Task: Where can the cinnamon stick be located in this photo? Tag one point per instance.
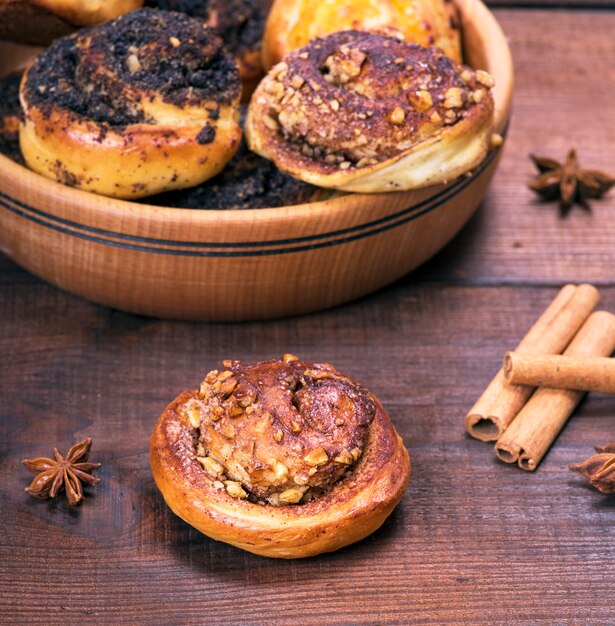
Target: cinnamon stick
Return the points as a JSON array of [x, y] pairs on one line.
[[533, 431], [561, 372], [553, 330]]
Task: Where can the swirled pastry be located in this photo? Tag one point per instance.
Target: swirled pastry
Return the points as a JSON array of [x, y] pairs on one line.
[[281, 458], [143, 104], [294, 23], [367, 112], [39, 22], [239, 23]]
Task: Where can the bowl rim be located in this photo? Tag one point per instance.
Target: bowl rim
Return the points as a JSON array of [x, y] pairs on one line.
[[470, 11]]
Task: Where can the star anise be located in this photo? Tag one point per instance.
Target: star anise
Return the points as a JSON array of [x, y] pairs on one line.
[[599, 469], [568, 182], [63, 473]]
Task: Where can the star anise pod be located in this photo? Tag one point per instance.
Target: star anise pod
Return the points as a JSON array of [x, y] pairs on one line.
[[63, 473], [568, 182], [599, 469]]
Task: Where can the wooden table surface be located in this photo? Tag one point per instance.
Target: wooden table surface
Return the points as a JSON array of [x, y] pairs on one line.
[[473, 540]]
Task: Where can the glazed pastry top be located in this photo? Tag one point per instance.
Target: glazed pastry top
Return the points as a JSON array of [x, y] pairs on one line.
[[294, 23], [280, 431]]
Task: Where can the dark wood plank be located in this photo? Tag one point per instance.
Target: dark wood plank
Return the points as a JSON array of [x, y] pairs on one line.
[[472, 540], [563, 98]]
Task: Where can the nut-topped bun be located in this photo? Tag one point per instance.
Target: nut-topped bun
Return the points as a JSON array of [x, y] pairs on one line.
[[281, 458], [367, 112], [39, 22], [143, 104], [294, 23], [239, 23]]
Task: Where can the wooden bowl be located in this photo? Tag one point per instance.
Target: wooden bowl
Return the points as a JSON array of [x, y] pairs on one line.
[[242, 264]]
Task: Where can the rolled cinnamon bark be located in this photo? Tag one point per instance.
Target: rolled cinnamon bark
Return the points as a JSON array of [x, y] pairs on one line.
[[561, 372], [537, 425], [500, 402]]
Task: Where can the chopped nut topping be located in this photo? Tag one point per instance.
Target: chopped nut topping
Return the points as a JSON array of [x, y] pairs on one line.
[[280, 470], [466, 76], [194, 415], [278, 435], [228, 431], [339, 422], [295, 427], [344, 457], [421, 100], [312, 471], [292, 495], [477, 96], [235, 489], [235, 411], [215, 413], [398, 116], [319, 374], [211, 466], [435, 118], [356, 453], [335, 105], [316, 457], [290, 358], [297, 82], [345, 64], [484, 78], [453, 98], [175, 42], [345, 165], [278, 70], [270, 123]]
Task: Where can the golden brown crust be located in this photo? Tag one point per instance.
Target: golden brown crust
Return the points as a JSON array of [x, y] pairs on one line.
[[39, 22], [366, 112], [352, 508], [140, 105], [294, 23]]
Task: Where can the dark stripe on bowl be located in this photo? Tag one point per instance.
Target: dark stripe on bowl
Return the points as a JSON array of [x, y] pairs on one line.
[[245, 248]]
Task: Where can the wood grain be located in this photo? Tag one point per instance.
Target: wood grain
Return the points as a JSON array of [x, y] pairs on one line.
[[473, 541], [565, 84]]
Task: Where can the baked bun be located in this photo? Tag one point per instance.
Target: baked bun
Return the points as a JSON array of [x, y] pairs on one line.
[[247, 182], [239, 23], [366, 112], [294, 23], [143, 104], [39, 22], [281, 458]]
